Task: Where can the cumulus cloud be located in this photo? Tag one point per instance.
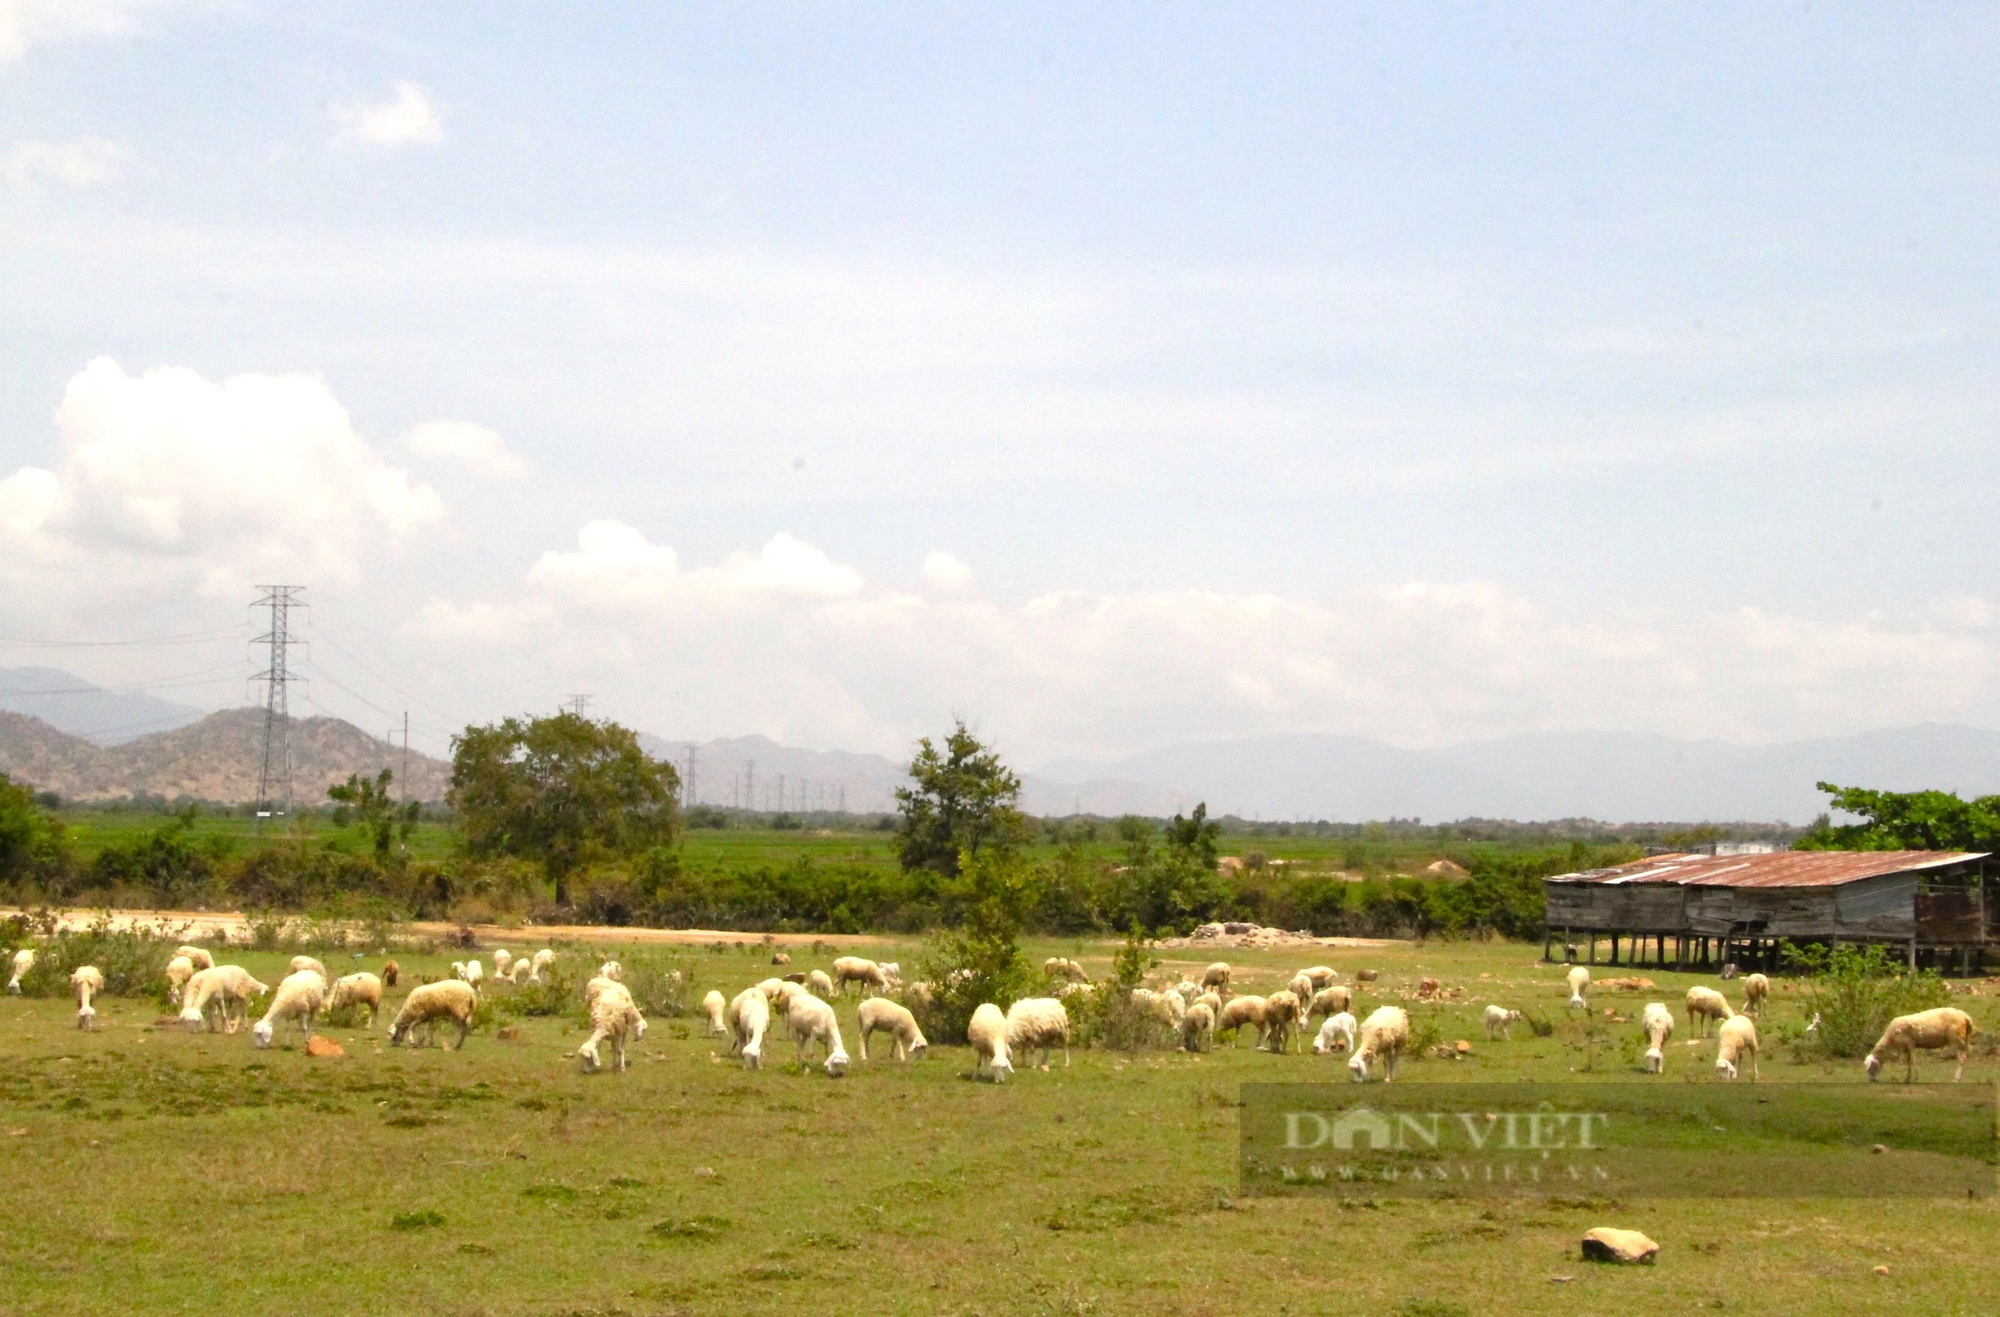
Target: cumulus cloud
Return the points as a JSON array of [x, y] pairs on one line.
[[474, 447], [941, 571], [25, 23], [169, 478], [406, 117], [613, 563], [85, 162]]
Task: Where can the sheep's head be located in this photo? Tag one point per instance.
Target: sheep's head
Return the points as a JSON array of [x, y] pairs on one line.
[[753, 1055], [1873, 1064], [1656, 1061], [191, 1019], [1002, 1068], [86, 1017], [836, 1065], [1357, 1065], [638, 1026], [397, 1032], [919, 1048], [260, 1035], [588, 1055], [1725, 1067], [1577, 1003]]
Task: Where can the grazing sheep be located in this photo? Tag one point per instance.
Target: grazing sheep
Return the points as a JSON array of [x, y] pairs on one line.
[[523, 968], [1335, 1035], [502, 959], [1198, 1028], [390, 972], [1165, 1008], [1216, 976], [1383, 1034], [468, 972], [813, 1021], [892, 970], [715, 1008], [1282, 1012], [543, 959], [301, 996], [781, 958], [362, 989], [224, 990], [179, 970], [1658, 1025], [1187, 990], [1331, 1001], [1737, 1035], [1579, 987], [307, 962], [1056, 967], [1755, 989], [1038, 1022], [881, 1014], [87, 981], [1704, 1005], [612, 970], [1932, 1030], [749, 1019], [779, 992], [23, 962], [1500, 1022], [597, 987], [613, 1015], [853, 969], [819, 983], [1322, 976], [449, 999], [1301, 986], [1212, 1001], [200, 956], [988, 1035], [1239, 1011]]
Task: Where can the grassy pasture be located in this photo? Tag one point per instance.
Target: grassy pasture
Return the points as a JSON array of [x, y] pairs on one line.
[[151, 1171]]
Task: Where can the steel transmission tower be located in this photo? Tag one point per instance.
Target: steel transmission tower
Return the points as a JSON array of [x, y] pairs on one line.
[[274, 777]]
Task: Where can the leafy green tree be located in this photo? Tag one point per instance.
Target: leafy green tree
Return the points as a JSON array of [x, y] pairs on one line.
[[1906, 820], [32, 841], [962, 801], [368, 804], [563, 790]]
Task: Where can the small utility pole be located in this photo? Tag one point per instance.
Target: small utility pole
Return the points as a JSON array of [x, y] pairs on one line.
[[689, 797], [406, 756]]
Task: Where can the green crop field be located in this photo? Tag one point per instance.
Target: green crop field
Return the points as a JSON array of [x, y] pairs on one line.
[[153, 1171]]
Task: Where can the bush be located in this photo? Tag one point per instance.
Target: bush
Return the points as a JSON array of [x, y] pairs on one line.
[[134, 962], [1856, 991]]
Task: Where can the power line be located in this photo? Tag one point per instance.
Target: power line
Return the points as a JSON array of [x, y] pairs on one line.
[[321, 632], [277, 678], [198, 678], [192, 637]]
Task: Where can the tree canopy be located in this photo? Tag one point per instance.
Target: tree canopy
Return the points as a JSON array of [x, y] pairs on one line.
[[563, 790], [31, 839], [1906, 821], [368, 804], [961, 800]]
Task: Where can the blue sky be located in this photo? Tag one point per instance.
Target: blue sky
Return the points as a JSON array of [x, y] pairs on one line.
[[1428, 373]]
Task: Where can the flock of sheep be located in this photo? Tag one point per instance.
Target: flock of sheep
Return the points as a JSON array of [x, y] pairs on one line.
[[211, 996]]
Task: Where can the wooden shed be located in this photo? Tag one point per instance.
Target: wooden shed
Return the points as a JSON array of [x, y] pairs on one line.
[[1697, 910]]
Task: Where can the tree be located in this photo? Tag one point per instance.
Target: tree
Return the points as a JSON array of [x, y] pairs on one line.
[[961, 801], [32, 841], [562, 790], [368, 804], [1906, 820]]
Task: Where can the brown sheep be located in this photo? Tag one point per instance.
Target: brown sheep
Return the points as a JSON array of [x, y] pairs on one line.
[[389, 971], [1932, 1030], [1241, 1011]]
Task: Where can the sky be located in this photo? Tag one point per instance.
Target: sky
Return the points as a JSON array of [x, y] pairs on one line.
[[1108, 376]]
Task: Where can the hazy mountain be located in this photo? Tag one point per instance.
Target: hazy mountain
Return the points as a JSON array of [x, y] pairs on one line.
[[71, 704], [1614, 776], [215, 759]]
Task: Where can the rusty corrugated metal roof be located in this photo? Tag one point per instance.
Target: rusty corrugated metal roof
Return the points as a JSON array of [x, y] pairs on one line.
[[1778, 869]]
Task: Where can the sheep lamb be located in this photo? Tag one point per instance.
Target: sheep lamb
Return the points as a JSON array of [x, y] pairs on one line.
[[854, 969], [1705, 1005], [1057, 967], [301, 996], [87, 981], [24, 960], [502, 961], [1283, 1011], [1737, 1035], [819, 983], [199, 955], [542, 960], [1335, 1035], [881, 1014], [749, 1020], [1216, 976], [1383, 1034], [1038, 1022], [1238, 1012], [1755, 989], [451, 1000], [1945, 1027], [715, 1008], [988, 1035], [179, 970], [307, 962], [1198, 1028], [813, 1022], [1657, 1023], [1579, 987], [222, 992], [362, 989], [1500, 1022], [613, 1016]]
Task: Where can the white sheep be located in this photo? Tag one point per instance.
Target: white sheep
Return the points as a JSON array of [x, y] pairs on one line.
[[1301, 986], [1737, 1035], [1704, 1005], [1187, 990], [612, 970], [179, 970], [307, 962], [987, 1033], [1238, 1012], [502, 963], [301, 996], [1038, 1022], [1198, 1028], [779, 992], [1058, 967], [24, 960], [1216, 976], [1322, 976], [226, 991], [615, 1016], [1657, 1022], [813, 1021], [362, 989], [1932, 1030], [1336, 1034], [468, 972], [1282, 1012], [451, 999], [87, 981], [854, 969], [749, 1019], [715, 1008], [522, 971], [596, 988], [1579, 987], [1500, 1022], [1755, 989], [543, 959], [881, 1014], [892, 970], [1213, 1002], [1383, 1034], [199, 955], [819, 983]]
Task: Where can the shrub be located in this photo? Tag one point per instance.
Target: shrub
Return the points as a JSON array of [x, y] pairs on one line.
[[134, 962], [1856, 991]]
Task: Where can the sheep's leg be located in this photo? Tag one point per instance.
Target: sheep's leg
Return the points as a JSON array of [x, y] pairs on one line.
[[464, 1028], [1959, 1073]]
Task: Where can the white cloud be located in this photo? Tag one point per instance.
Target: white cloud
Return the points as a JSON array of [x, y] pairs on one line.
[[85, 162], [169, 480], [941, 571], [474, 447], [407, 116], [614, 565], [25, 23]]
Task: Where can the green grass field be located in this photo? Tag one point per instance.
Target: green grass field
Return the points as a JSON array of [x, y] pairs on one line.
[[151, 1171]]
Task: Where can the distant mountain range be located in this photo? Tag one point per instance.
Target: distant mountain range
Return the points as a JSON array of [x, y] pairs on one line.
[[71, 704], [214, 759]]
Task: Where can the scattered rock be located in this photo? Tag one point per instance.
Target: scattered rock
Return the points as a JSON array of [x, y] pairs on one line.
[[1463, 1047], [1880, 1147], [1245, 935], [319, 1045], [1561, 1280], [704, 1172], [1881, 1271], [507, 1033], [1426, 989], [1609, 1244], [1625, 984], [1367, 975], [781, 959]]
